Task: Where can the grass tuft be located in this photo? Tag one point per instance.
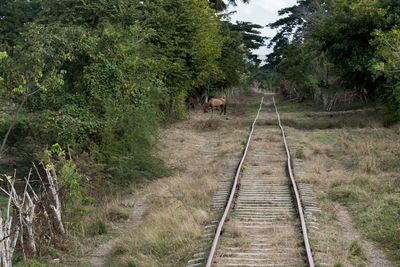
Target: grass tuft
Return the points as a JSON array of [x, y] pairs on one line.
[[116, 215], [356, 253], [98, 227], [299, 153]]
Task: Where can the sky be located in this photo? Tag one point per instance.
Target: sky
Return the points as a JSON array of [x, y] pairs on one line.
[[261, 12]]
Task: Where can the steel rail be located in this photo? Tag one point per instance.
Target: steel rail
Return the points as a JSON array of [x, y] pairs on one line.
[[310, 259], [228, 207]]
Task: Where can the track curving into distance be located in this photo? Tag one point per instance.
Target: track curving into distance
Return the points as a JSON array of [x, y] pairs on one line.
[[262, 207]]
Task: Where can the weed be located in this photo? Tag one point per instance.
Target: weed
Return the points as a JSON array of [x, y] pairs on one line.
[[210, 124], [117, 214], [131, 263], [356, 252], [31, 263], [354, 158], [347, 194], [98, 227], [299, 153], [338, 264], [120, 249]]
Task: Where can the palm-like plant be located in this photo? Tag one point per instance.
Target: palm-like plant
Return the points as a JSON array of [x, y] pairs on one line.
[[222, 4]]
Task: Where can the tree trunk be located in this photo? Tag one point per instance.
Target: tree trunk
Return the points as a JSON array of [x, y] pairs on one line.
[[3, 144]]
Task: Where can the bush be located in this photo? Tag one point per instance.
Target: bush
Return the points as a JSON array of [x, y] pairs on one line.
[[115, 215], [386, 64], [98, 227], [129, 136]]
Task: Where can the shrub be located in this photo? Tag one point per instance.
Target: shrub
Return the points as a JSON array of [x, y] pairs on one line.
[[98, 227], [129, 136]]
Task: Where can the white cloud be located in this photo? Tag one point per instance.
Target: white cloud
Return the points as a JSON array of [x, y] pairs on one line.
[[270, 6]]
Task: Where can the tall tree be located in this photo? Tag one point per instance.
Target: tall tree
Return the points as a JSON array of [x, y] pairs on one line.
[[252, 38], [222, 5]]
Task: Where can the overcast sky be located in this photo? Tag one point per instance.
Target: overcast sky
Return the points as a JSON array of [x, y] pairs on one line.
[[261, 12]]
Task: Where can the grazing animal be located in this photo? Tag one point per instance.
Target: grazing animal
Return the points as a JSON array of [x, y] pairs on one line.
[[216, 103], [190, 102]]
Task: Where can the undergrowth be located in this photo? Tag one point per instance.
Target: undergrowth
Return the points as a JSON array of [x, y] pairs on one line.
[[355, 158]]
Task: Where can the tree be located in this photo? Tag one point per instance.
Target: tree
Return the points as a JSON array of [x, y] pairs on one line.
[[386, 63], [252, 38], [13, 16], [295, 26], [23, 75], [341, 37], [222, 5]]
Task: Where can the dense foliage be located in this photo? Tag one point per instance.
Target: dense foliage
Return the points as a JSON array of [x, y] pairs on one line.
[[99, 76], [352, 43]]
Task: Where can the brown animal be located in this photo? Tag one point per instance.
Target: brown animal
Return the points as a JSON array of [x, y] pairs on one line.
[[190, 102], [216, 103]]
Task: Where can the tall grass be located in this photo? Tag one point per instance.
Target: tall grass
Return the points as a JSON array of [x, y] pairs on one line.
[[373, 194], [355, 158]]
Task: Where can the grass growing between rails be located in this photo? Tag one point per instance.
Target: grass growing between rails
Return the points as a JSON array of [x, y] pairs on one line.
[[354, 162]]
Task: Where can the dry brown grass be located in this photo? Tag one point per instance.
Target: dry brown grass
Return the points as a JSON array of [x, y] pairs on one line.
[[201, 147], [355, 166], [283, 238]]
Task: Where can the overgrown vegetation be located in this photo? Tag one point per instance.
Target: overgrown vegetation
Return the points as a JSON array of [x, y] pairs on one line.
[[99, 77], [339, 51], [352, 159], [373, 192], [179, 205]]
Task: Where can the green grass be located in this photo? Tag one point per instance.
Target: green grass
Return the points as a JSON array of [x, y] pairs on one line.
[[298, 107], [253, 107], [376, 213], [313, 107], [365, 145], [323, 137], [356, 254], [117, 214], [365, 119]]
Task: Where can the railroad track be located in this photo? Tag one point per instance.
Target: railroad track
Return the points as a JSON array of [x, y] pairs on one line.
[[267, 224]]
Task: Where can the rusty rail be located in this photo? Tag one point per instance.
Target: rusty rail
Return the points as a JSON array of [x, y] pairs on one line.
[[228, 207], [310, 259]]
